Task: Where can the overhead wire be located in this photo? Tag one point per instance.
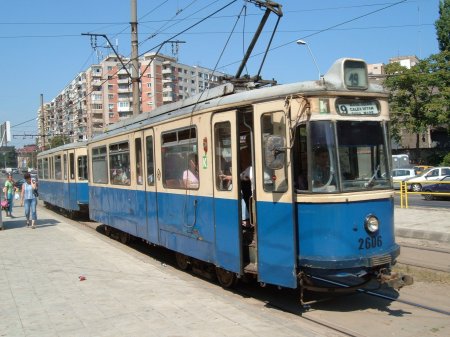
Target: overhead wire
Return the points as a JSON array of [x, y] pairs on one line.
[[323, 30], [279, 46]]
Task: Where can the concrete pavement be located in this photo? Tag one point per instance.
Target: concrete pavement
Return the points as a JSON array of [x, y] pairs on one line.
[[129, 294], [124, 293]]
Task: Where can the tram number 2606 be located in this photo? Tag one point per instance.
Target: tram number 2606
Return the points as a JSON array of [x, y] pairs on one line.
[[370, 242]]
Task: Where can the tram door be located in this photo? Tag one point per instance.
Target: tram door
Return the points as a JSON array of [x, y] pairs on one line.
[[275, 222], [226, 191], [148, 178], [69, 174]]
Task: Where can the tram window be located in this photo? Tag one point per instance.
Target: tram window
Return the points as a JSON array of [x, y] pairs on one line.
[[99, 165], [180, 159], [45, 168], [138, 149], [64, 164], [51, 169], [150, 164], [323, 158], [40, 170], [362, 155], [72, 165], [82, 168], [273, 124], [119, 164], [58, 171], [222, 134], [301, 159]]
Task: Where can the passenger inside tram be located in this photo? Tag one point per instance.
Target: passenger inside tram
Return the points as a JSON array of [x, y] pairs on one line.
[[190, 176]]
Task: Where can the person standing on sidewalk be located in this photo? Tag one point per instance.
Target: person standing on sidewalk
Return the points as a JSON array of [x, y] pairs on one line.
[[29, 199], [9, 195]]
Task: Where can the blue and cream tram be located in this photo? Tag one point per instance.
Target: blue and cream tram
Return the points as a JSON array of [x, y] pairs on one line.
[[63, 177], [173, 178]]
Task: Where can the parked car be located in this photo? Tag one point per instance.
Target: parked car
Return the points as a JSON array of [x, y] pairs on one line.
[[19, 183], [436, 173], [420, 168], [399, 175], [443, 187]]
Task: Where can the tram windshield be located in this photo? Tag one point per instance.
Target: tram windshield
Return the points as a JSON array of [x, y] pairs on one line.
[[343, 156]]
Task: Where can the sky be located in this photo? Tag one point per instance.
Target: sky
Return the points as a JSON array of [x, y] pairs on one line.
[[42, 48]]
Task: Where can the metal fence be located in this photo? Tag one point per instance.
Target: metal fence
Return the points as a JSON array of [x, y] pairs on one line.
[[405, 191]]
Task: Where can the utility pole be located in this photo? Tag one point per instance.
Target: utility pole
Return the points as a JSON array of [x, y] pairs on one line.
[[135, 78], [42, 140]]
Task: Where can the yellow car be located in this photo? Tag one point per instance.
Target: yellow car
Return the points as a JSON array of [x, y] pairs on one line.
[[420, 168]]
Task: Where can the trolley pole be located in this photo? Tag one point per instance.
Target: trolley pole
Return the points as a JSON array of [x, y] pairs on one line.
[[134, 60]]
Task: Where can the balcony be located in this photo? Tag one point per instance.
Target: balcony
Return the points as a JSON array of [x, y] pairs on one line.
[[167, 99], [123, 80], [167, 71]]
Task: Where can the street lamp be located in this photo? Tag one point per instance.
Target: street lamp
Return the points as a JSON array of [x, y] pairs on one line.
[[302, 42]]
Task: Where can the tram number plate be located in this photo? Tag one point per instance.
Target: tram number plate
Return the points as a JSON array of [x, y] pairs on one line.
[[370, 242]]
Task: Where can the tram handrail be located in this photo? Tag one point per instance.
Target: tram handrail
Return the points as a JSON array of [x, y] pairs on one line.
[[404, 192]]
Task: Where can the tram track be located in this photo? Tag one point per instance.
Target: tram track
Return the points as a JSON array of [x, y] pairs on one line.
[[429, 258], [303, 313]]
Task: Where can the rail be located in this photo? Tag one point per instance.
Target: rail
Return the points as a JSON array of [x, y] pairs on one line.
[[405, 191]]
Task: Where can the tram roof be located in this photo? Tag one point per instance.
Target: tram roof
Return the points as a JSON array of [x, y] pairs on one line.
[[227, 96], [70, 146]]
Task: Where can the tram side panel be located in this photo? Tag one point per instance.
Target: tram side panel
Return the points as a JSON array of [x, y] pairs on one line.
[[185, 213]]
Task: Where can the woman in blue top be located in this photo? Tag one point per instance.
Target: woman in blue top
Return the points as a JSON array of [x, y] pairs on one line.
[[9, 195], [29, 200]]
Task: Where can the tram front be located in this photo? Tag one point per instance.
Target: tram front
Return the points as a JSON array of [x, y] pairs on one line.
[[343, 189]]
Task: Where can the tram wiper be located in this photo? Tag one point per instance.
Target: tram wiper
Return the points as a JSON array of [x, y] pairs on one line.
[[370, 183]]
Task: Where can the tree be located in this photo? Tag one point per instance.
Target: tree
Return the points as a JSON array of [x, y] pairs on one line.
[[443, 25], [58, 141], [419, 96]]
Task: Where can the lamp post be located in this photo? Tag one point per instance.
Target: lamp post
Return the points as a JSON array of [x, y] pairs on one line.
[[302, 42]]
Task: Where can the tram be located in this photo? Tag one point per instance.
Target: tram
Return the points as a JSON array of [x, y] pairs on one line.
[[230, 179], [63, 178]]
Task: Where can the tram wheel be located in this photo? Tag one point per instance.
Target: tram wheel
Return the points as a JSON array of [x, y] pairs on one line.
[[124, 237], [226, 278], [183, 262]]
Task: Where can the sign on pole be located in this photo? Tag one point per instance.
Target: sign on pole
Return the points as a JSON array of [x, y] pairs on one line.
[[5, 133]]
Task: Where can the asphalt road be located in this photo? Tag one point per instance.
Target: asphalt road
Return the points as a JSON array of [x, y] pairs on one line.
[[416, 200]]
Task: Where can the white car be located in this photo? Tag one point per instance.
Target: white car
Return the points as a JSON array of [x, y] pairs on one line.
[[436, 173], [399, 175]]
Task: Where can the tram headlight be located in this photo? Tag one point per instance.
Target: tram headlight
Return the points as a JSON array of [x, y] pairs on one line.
[[371, 224]]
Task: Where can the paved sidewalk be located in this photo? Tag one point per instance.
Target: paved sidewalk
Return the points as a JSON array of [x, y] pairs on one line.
[[423, 223], [123, 295]]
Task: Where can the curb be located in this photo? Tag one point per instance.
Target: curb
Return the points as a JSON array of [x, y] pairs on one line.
[[421, 234]]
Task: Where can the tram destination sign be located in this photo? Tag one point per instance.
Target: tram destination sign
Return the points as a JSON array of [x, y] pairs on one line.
[[350, 108]]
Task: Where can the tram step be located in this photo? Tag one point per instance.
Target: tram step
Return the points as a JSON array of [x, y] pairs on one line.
[[251, 268]]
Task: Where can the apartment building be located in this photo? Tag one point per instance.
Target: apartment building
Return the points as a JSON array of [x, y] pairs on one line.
[[102, 95]]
